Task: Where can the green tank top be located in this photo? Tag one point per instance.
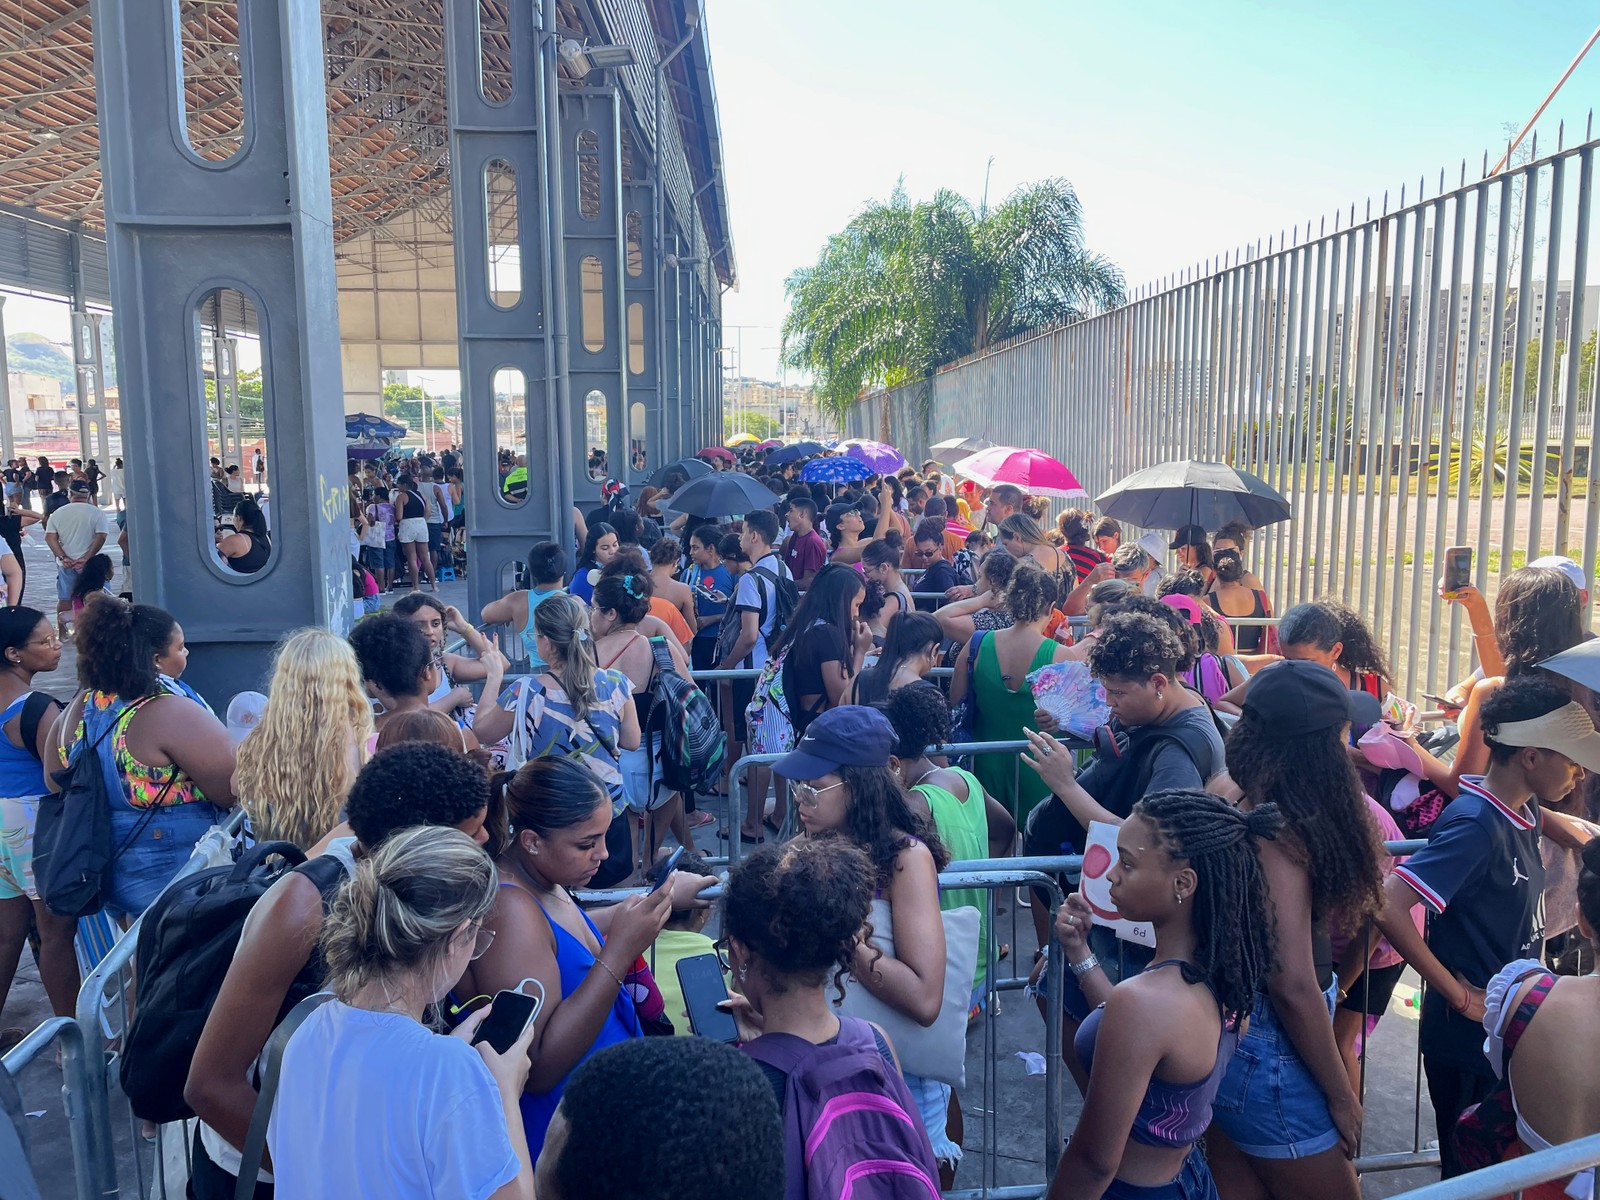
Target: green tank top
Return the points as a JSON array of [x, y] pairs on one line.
[[964, 829]]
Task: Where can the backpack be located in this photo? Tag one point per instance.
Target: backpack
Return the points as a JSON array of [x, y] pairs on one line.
[[850, 1127], [692, 742], [769, 727], [186, 943], [785, 598], [72, 850]]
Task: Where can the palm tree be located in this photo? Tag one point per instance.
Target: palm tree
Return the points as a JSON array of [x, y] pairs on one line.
[[905, 288]]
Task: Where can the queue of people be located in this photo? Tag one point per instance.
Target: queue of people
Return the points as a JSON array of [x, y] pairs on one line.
[[450, 812]]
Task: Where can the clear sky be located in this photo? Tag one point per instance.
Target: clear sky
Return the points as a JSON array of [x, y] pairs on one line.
[[1188, 129]]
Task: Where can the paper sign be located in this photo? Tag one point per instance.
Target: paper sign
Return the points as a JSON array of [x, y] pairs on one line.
[[1099, 852]]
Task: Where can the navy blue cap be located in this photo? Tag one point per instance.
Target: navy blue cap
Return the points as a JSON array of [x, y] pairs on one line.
[[851, 736], [1297, 696]]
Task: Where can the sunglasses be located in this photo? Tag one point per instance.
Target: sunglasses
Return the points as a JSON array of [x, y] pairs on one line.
[[807, 796]]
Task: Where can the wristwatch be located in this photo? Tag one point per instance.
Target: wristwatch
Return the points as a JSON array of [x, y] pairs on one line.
[[1081, 969]]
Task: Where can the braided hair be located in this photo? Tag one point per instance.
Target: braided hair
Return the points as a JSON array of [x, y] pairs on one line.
[[1233, 933]]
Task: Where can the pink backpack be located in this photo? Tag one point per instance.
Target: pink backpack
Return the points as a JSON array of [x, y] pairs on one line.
[[851, 1130]]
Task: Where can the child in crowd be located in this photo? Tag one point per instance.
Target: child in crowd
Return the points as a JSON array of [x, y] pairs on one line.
[[683, 937]]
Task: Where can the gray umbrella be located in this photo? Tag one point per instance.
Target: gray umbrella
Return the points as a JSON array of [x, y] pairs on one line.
[[724, 494], [952, 450], [1581, 664], [691, 467], [1174, 494]]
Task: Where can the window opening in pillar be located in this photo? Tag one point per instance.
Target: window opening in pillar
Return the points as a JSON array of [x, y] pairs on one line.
[[511, 435], [234, 394], [595, 419], [592, 314], [210, 78], [494, 50], [502, 223]]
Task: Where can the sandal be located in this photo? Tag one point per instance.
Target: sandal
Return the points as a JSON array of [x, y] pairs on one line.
[[743, 837], [700, 819]]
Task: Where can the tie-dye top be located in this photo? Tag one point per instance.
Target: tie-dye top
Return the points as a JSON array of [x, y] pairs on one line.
[[142, 784]]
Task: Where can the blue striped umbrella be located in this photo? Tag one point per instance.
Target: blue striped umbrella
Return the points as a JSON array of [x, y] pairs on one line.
[[841, 469]]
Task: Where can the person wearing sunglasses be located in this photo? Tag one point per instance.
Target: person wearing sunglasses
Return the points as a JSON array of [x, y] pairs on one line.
[[847, 790]]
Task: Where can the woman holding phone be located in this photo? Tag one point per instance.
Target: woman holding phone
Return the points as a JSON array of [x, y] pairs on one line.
[[438, 1115]]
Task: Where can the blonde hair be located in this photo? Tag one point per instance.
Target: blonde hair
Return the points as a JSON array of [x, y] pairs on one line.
[[294, 769], [398, 912], [564, 620], [1023, 527]]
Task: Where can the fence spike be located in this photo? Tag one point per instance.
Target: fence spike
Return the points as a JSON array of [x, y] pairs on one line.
[[1533, 150], [1441, 181], [1485, 174], [1463, 173], [1588, 129], [1561, 134]]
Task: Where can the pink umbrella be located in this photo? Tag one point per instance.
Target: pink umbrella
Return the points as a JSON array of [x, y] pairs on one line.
[[769, 444], [1034, 471], [716, 452]]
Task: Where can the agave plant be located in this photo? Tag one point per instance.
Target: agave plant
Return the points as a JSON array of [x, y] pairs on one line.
[[1483, 463], [905, 288]]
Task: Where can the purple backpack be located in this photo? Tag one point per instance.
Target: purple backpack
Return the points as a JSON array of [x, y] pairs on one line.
[[850, 1128]]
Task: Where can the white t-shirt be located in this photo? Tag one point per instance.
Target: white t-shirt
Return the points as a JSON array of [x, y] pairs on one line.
[[75, 525], [437, 497], [372, 1104], [761, 596]]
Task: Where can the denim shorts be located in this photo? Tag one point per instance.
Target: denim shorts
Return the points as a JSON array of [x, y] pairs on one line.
[[1194, 1182], [641, 793], [149, 858], [933, 1105], [1270, 1105], [66, 580]]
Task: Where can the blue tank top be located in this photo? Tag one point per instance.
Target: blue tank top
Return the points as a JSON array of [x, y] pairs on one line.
[[21, 774], [575, 962], [536, 596], [1171, 1114]]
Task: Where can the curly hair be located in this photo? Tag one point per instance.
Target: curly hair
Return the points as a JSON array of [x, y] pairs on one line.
[[800, 906], [1030, 593], [879, 816], [1589, 884], [921, 720], [1105, 594], [414, 783], [1185, 582], [624, 589], [1314, 784], [295, 768], [1137, 644], [1325, 624], [1233, 929], [997, 566], [1228, 564], [1536, 615], [117, 645], [392, 652], [1235, 531], [1521, 698]]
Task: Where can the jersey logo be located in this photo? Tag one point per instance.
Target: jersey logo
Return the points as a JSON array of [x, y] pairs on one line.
[[1516, 871]]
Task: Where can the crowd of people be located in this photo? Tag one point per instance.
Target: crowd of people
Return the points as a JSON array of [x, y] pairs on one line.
[[447, 804]]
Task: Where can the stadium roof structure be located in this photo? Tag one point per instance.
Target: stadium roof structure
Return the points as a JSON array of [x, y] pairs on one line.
[[388, 139]]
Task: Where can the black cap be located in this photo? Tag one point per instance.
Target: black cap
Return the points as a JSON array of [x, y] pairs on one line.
[[1188, 535], [80, 486], [1297, 697]]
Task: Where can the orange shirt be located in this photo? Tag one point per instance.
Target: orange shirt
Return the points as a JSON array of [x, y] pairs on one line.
[[668, 612]]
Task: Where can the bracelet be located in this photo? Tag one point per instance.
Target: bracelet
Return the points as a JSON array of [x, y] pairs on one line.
[[1080, 969], [602, 962]]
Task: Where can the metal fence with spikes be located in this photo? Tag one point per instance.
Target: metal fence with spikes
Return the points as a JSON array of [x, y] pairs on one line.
[[1417, 376]]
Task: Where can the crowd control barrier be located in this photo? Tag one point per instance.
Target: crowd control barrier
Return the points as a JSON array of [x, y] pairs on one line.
[[64, 1034]]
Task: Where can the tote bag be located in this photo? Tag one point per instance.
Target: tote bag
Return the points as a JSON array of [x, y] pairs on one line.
[[937, 1051]]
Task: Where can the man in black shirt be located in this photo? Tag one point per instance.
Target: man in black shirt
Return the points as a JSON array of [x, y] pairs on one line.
[[938, 575]]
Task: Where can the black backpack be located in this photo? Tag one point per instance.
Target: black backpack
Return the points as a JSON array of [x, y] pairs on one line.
[[186, 943], [785, 599], [72, 850]]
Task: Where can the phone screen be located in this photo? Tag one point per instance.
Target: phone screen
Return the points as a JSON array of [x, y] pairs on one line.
[[1457, 568], [700, 977], [666, 870], [510, 1015]]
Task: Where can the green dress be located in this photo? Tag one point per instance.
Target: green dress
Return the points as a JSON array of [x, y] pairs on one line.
[[964, 829], [1002, 716]]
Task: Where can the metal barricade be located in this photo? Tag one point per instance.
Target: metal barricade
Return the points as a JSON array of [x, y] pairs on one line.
[[112, 980], [1512, 1178], [64, 1032]]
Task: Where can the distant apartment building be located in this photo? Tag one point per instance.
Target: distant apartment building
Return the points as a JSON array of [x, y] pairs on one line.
[[791, 408]]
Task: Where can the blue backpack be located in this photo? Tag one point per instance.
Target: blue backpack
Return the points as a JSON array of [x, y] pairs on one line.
[[850, 1127]]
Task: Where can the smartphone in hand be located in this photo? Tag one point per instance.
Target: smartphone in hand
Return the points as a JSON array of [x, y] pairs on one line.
[[700, 977], [508, 1019], [667, 868], [1457, 571]]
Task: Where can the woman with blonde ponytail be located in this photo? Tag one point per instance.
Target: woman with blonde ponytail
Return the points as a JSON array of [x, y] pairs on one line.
[[437, 1115], [573, 708], [295, 768]]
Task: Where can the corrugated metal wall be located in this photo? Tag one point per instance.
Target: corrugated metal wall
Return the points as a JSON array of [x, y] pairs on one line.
[[1381, 418]]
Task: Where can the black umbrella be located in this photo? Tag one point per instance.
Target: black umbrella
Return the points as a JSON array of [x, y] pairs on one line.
[[1174, 494], [794, 453], [692, 467], [723, 494]]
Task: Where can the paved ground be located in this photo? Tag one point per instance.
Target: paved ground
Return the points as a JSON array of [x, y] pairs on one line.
[[1011, 1118]]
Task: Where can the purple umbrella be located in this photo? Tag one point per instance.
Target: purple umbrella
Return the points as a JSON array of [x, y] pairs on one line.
[[884, 460]]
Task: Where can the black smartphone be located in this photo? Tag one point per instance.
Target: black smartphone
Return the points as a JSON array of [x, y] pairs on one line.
[[1457, 570], [667, 868], [508, 1019], [1440, 701], [700, 977]]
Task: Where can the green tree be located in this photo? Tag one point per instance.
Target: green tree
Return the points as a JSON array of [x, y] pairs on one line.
[[758, 425], [402, 403], [905, 288]]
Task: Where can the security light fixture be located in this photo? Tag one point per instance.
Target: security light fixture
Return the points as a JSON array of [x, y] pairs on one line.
[[583, 58]]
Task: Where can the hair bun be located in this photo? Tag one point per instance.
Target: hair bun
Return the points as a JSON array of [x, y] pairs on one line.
[[1264, 821], [1591, 856]]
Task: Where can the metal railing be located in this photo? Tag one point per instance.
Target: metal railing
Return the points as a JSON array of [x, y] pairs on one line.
[[1416, 375], [65, 1033], [1514, 1177]]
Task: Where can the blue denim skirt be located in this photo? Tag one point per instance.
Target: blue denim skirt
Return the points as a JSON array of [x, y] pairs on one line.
[[1194, 1182]]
